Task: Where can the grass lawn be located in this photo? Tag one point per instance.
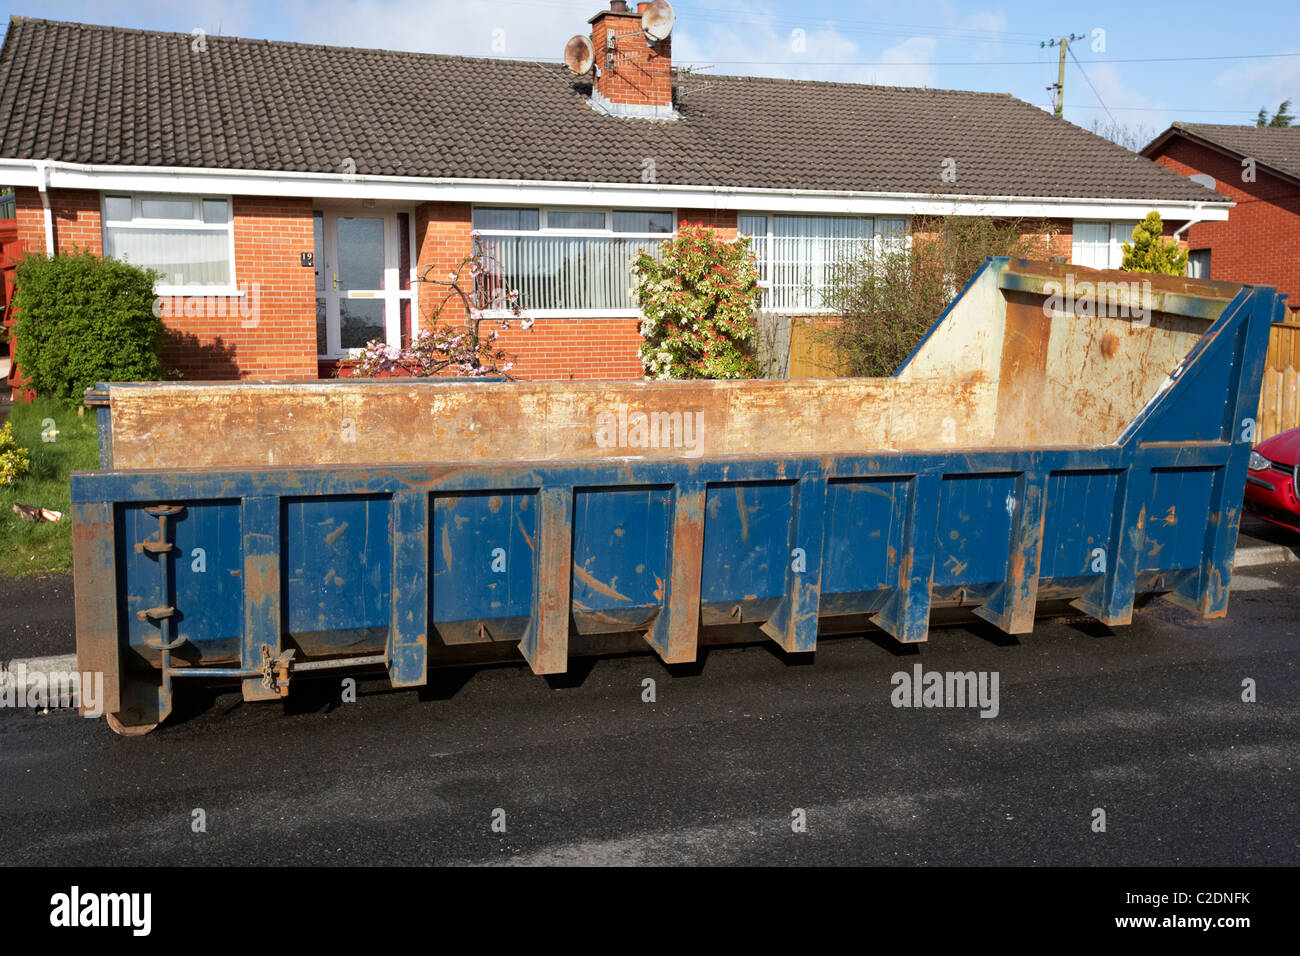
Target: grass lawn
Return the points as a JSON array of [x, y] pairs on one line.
[[25, 546]]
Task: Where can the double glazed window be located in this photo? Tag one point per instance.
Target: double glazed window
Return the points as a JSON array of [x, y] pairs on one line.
[[185, 238], [1100, 245], [570, 260], [797, 255]]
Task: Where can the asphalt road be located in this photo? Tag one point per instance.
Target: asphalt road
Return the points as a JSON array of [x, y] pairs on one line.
[[1146, 723], [37, 617]]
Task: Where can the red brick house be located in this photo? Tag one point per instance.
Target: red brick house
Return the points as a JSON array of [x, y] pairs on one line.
[[293, 196], [1259, 169]]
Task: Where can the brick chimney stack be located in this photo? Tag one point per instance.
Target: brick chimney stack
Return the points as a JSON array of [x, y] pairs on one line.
[[633, 75]]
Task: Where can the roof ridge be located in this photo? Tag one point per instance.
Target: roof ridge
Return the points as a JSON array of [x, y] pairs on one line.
[[839, 83], [253, 41], [458, 57], [1181, 124]]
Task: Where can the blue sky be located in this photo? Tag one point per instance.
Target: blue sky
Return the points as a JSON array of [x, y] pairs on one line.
[[979, 45]]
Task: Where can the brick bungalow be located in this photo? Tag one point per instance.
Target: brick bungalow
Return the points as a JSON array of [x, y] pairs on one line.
[[1258, 168], [292, 195]]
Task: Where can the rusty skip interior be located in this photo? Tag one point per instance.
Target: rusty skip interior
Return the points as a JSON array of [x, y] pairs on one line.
[[1033, 354]]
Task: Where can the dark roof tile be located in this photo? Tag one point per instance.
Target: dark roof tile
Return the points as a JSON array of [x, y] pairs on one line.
[[92, 94], [1277, 147]]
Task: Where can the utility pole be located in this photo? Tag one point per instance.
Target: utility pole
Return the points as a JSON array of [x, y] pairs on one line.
[[1058, 88]]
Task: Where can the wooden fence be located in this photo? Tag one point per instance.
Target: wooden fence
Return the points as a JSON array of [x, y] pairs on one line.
[[11, 247], [810, 354], [1279, 395]]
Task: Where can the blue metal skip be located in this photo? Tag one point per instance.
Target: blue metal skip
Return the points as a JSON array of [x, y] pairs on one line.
[[259, 573]]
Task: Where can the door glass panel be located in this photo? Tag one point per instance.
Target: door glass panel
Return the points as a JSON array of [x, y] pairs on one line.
[[318, 256], [360, 320], [322, 341], [361, 253]]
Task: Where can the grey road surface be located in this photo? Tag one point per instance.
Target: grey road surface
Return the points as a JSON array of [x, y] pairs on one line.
[[1146, 723]]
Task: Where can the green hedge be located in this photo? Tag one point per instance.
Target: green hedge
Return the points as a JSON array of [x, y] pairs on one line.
[[82, 320]]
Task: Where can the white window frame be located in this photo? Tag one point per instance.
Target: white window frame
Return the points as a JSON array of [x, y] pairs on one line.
[[765, 280], [138, 221], [544, 229], [1114, 243]]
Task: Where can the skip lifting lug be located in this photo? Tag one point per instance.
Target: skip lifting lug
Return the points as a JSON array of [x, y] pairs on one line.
[[275, 671], [159, 545]]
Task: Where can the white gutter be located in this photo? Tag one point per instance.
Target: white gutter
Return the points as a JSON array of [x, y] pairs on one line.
[[344, 186], [43, 184]]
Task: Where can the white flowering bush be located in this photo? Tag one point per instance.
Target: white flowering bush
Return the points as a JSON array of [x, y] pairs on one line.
[[697, 303]]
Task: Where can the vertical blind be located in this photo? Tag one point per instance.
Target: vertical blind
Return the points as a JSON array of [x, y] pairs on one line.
[[798, 254], [183, 256], [561, 272]]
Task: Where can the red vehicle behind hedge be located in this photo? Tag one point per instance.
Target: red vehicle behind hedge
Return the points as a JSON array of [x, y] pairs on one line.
[[1273, 482]]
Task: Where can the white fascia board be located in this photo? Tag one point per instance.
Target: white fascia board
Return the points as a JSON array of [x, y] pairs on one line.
[[330, 186]]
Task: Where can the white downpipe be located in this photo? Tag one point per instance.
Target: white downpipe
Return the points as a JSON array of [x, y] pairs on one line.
[[1196, 217], [43, 184]]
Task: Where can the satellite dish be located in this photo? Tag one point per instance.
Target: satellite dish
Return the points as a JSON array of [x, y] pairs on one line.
[[1205, 179], [657, 21], [579, 55]]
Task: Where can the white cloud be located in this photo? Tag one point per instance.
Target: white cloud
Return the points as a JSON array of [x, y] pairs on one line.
[[812, 52], [1142, 115], [1264, 82], [907, 55]]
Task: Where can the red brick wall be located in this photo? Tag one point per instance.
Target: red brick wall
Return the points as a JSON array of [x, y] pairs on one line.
[[722, 221], [76, 219], [442, 241], [268, 333], [576, 350], [1260, 242], [642, 73]]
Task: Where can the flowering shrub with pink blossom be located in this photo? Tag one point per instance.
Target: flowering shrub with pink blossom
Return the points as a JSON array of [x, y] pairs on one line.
[[466, 350]]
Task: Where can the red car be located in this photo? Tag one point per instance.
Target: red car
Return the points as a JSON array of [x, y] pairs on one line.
[[1273, 482]]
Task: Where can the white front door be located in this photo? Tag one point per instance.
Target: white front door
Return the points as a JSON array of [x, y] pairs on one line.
[[357, 283]]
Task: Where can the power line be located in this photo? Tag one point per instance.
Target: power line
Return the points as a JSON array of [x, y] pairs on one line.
[[1164, 109], [1038, 63], [838, 24], [1090, 86]]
